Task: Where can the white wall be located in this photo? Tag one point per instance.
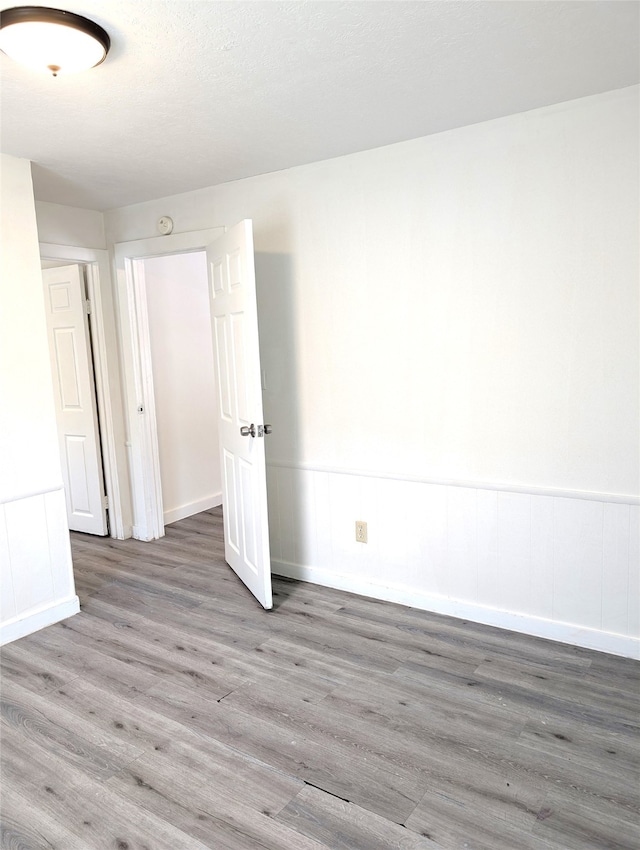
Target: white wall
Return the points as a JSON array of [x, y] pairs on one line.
[[60, 225], [184, 383], [478, 286], [35, 558], [448, 325]]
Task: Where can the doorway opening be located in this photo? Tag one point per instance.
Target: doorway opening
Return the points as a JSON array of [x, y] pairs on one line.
[[106, 374], [237, 391], [183, 380], [133, 262]]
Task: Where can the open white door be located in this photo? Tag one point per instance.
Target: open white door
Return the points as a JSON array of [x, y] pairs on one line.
[[75, 398], [234, 318]]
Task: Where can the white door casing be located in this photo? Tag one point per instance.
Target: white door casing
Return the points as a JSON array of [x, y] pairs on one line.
[[139, 401], [234, 319], [75, 398]]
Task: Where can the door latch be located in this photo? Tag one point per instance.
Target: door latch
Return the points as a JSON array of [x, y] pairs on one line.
[[250, 430]]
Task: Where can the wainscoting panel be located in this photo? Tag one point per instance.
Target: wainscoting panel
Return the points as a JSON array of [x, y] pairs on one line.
[[36, 576], [555, 566]]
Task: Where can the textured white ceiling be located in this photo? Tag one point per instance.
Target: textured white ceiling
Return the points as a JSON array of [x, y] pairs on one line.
[[198, 93]]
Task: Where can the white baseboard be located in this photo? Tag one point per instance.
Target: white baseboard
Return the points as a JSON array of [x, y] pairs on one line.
[[626, 646], [36, 619], [183, 511]]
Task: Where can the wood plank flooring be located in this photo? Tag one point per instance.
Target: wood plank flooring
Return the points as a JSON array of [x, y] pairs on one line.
[[173, 712]]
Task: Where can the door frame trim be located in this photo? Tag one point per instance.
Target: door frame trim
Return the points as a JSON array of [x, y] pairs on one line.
[[142, 442], [96, 261]]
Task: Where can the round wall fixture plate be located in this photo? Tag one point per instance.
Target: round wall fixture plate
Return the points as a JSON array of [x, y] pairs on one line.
[[165, 225]]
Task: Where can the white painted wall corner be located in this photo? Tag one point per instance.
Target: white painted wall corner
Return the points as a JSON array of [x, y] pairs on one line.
[[32, 621], [183, 511]]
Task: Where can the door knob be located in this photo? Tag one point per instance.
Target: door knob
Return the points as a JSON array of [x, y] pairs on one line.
[[248, 430]]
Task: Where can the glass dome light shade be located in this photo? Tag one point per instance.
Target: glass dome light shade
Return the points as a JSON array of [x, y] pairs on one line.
[[52, 40]]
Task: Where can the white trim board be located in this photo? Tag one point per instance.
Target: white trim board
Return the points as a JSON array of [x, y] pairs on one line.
[[623, 645], [32, 621], [162, 246], [30, 495], [500, 486]]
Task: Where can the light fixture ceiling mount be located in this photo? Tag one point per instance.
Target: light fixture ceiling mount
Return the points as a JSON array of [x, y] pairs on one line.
[[52, 40]]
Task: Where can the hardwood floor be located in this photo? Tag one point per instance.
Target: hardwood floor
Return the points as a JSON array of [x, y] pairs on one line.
[[173, 712]]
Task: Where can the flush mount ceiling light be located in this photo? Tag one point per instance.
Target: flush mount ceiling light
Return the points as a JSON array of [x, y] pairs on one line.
[[52, 40]]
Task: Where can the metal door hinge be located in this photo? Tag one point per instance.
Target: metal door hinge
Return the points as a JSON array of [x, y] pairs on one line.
[[105, 502], [87, 305]]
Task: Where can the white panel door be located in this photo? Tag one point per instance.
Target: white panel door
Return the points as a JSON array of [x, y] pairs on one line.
[[234, 318], [75, 398]]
